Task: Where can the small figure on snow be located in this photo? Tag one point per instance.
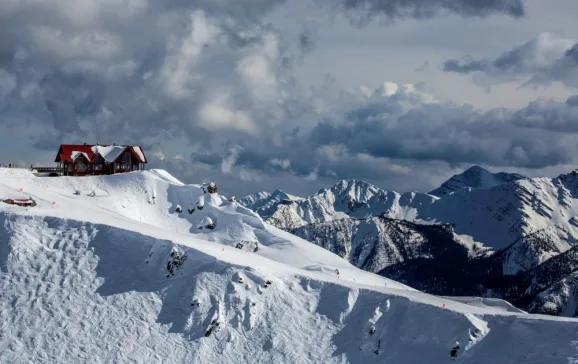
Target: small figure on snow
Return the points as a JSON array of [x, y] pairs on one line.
[[454, 351], [376, 351], [337, 272], [256, 247]]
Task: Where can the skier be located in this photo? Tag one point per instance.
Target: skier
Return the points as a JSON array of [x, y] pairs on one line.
[[337, 272]]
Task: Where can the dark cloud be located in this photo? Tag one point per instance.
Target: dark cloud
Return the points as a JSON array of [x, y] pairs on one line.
[[564, 70], [213, 75], [541, 61], [363, 11], [92, 70], [572, 101], [540, 135]]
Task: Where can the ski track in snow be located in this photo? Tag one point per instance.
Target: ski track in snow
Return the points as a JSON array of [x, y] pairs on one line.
[[86, 279]]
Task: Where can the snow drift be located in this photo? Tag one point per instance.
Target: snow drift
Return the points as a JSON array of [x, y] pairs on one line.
[[119, 276]]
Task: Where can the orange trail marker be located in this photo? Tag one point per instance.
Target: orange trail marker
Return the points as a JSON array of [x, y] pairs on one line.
[[20, 189], [222, 249]]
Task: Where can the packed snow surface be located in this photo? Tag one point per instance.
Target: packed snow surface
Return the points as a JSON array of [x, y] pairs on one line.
[[104, 270]]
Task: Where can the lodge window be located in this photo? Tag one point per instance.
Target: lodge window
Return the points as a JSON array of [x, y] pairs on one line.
[[80, 165], [126, 158], [99, 166]]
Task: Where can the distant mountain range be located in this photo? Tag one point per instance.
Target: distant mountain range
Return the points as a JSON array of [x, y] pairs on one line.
[[480, 233]]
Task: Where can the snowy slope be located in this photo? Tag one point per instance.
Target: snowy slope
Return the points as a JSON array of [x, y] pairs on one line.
[[475, 177], [104, 271]]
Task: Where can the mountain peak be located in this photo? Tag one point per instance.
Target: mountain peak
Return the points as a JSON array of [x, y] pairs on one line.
[[345, 185], [476, 170], [475, 177]]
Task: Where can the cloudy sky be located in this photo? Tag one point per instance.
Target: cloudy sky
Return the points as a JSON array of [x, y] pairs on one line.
[[266, 94]]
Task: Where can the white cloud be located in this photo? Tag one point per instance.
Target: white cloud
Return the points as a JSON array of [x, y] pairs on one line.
[[257, 68], [282, 163], [159, 155], [178, 72], [230, 159], [314, 175], [218, 114], [249, 176]]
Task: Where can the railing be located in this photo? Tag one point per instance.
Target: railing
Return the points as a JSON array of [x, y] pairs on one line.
[[47, 169]]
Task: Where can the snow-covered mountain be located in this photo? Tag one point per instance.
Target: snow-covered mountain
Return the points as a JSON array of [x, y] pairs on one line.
[[106, 270], [264, 203], [353, 198], [475, 177], [526, 221]]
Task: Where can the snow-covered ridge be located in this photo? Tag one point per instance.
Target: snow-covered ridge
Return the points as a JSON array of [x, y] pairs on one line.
[[475, 177], [528, 221], [496, 216], [104, 270], [353, 198]]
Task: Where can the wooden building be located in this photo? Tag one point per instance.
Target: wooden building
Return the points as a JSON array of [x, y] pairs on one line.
[[83, 160]]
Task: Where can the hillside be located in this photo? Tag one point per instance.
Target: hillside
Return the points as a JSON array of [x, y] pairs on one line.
[[524, 221], [105, 270]]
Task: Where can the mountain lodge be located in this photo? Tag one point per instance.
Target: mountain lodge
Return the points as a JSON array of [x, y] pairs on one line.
[[83, 160]]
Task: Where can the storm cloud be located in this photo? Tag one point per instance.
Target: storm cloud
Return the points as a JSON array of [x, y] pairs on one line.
[[208, 87], [542, 61]]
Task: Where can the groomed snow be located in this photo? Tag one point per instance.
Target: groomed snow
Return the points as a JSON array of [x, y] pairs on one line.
[[114, 277]]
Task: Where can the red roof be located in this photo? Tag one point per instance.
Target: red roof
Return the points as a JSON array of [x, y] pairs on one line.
[[69, 152]]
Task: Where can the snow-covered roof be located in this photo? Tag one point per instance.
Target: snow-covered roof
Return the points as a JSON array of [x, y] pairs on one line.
[[109, 153], [69, 152], [138, 151], [75, 154]]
